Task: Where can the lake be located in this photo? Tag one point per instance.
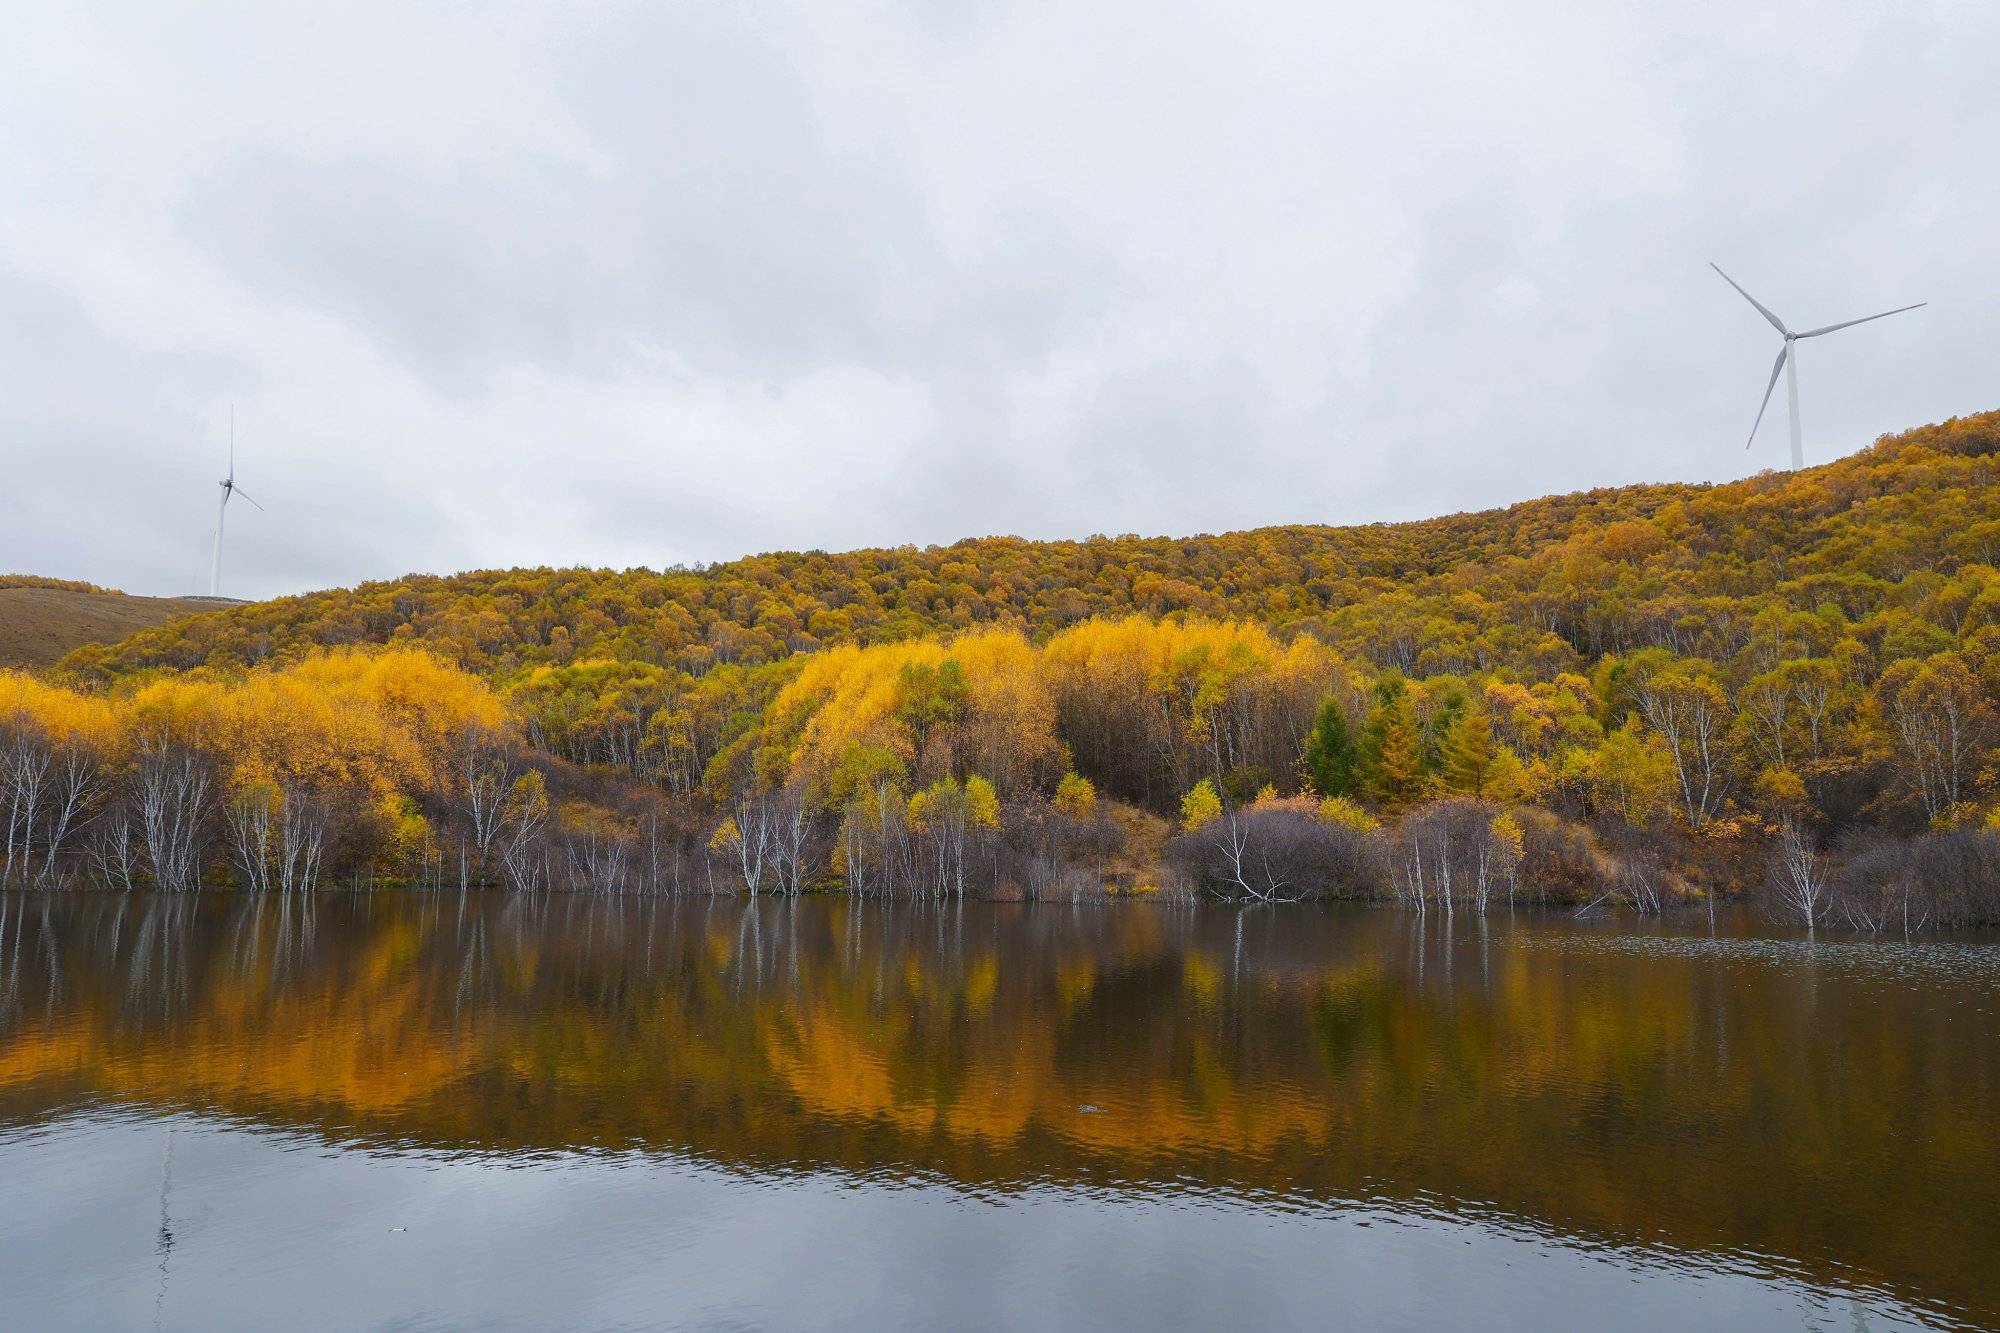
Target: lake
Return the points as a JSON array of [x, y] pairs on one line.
[[433, 1111]]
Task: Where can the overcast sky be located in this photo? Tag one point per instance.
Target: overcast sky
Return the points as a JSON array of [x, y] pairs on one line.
[[638, 284]]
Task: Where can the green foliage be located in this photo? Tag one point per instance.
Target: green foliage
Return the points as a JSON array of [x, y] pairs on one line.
[[861, 769], [931, 698], [1330, 751]]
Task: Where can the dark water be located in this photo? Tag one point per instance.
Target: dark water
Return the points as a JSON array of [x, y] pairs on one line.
[[432, 1112]]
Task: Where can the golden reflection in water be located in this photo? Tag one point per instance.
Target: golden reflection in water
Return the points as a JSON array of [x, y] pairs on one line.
[[1830, 1110]]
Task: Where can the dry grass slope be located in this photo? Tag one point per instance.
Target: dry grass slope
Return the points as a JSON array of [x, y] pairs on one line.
[[40, 624]]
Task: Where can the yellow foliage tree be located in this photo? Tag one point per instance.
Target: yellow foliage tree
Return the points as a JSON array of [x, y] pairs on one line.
[[1200, 805], [1340, 810], [1075, 796]]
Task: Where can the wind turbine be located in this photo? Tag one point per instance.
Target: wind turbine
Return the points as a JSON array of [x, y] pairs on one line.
[[229, 488], [1788, 361]]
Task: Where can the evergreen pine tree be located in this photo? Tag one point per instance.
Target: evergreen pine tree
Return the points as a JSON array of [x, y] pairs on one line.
[[1330, 751]]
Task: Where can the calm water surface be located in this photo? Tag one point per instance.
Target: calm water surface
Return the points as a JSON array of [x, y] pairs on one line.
[[421, 1111]]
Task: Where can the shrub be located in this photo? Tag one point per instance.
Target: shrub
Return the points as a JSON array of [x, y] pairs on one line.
[[1940, 880], [1281, 851]]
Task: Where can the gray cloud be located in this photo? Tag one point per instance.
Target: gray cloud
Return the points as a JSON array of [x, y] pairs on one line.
[[619, 284]]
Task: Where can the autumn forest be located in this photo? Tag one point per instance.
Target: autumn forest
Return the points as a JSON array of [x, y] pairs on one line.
[[1780, 692]]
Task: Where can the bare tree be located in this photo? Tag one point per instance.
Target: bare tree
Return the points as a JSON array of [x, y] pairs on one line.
[[25, 762], [174, 790], [789, 818], [1640, 881], [277, 837], [1795, 876], [1242, 869], [1453, 851], [77, 787], [944, 830], [112, 851], [597, 862], [854, 859], [523, 816], [303, 825], [247, 817], [484, 774], [752, 839], [875, 842]]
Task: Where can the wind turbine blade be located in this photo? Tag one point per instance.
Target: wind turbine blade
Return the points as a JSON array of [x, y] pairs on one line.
[[1814, 333], [232, 442], [1776, 323], [1777, 367], [238, 491]]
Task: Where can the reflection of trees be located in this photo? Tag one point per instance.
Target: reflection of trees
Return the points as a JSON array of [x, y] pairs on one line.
[[1667, 1097]]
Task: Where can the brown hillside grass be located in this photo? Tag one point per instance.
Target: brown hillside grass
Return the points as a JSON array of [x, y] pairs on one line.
[[40, 624]]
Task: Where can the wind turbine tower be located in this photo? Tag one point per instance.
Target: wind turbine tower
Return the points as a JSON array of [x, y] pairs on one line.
[[229, 488], [1788, 361]]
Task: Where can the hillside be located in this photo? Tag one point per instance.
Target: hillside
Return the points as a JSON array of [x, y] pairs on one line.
[[42, 619], [1788, 685], [1541, 586]]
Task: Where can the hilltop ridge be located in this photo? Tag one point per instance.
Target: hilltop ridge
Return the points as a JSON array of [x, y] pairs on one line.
[[1540, 584], [41, 619]]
